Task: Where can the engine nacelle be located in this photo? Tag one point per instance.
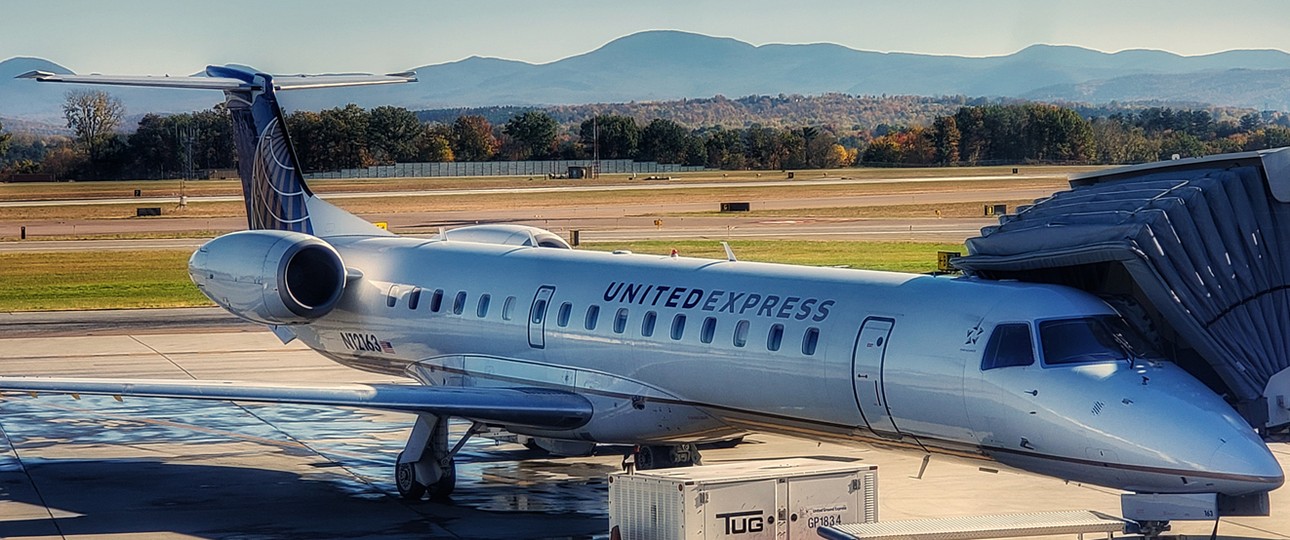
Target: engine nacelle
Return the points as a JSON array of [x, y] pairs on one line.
[[270, 277]]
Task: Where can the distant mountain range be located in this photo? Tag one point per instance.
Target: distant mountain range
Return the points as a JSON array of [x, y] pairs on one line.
[[663, 65]]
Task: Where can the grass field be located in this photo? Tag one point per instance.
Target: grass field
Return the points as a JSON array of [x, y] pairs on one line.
[[136, 279], [96, 280]]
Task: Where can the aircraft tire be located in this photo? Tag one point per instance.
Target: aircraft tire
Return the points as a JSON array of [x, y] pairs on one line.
[[405, 480], [442, 490], [645, 458]]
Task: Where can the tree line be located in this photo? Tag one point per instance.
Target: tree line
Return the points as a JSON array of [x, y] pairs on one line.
[[1036, 132], [351, 137]]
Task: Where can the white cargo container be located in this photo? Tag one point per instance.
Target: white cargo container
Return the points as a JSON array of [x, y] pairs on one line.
[[779, 500]]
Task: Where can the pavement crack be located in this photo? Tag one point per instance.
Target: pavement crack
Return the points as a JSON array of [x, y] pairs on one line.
[[302, 444], [164, 355]]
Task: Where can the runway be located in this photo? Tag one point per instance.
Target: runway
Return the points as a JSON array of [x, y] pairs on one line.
[[147, 468]]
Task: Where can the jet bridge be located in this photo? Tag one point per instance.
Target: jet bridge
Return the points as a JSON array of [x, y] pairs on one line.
[[1195, 253]]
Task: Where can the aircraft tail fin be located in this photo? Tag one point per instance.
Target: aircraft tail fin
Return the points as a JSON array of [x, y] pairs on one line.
[[273, 187]]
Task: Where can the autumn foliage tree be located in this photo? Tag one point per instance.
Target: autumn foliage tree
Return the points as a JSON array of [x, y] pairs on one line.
[[162, 146], [392, 134], [93, 115], [472, 139], [664, 141], [535, 131], [434, 144], [4, 140], [610, 136]]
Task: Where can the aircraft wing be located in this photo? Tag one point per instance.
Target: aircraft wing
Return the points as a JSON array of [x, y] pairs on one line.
[[525, 406]]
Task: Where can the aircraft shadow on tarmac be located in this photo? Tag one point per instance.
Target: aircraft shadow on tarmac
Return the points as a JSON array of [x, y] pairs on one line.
[[141, 496], [340, 486]]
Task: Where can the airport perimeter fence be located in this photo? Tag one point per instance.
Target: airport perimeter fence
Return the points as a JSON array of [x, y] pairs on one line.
[[502, 168]]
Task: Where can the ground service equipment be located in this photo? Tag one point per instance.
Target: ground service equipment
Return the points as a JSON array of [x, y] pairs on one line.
[[787, 499]]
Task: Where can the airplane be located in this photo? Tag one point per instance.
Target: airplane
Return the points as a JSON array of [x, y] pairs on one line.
[[506, 326]]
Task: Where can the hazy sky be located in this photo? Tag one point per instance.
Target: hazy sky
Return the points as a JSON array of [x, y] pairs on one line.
[[183, 36]]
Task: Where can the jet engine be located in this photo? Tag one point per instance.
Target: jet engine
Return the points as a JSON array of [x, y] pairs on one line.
[[269, 276]]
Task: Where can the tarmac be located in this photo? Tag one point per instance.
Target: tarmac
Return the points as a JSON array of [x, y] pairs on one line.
[[153, 468]]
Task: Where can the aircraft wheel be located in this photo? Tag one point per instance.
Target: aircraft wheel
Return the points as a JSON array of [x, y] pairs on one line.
[[443, 489], [645, 458], [405, 480]]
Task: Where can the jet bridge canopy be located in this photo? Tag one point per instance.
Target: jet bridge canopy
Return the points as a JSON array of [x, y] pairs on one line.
[[1195, 253]]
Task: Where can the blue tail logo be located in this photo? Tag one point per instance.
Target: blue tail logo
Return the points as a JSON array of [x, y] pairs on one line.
[[274, 189]]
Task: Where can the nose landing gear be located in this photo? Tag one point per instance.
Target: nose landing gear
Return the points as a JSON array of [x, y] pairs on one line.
[[427, 465], [1151, 529]]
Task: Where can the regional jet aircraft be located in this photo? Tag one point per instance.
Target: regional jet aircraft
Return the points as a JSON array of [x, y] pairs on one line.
[[507, 326]]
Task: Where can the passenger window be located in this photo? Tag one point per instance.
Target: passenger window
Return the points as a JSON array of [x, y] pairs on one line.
[[809, 341], [392, 297], [709, 329], [508, 307], [741, 333], [482, 310], [539, 311], [593, 316], [459, 303], [562, 318], [678, 326], [1009, 345], [620, 321], [436, 301], [647, 324], [414, 298], [775, 337]]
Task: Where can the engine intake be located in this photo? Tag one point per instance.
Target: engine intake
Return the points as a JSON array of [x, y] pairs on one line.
[[269, 276]]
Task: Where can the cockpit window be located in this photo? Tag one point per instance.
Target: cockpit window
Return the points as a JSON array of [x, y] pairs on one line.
[[1137, 344], [1090, 339], [1009, 345]]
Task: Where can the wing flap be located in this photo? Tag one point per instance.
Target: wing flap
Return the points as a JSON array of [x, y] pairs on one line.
[[539, 407]]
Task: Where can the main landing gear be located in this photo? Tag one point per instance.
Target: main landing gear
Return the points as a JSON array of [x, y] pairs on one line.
[[426, 464], [656, 456]]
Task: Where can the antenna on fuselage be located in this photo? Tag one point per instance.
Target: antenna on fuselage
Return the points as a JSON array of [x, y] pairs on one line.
[[730, 253]]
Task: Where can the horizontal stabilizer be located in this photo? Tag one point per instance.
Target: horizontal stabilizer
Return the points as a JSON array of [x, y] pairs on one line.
[[280, 82], [273, 186], [510, 406]]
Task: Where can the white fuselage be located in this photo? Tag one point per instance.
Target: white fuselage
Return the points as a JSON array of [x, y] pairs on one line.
[[826, 353]]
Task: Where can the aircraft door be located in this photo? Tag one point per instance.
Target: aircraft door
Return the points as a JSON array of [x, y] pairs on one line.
[[867, 363], [537, 316]]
